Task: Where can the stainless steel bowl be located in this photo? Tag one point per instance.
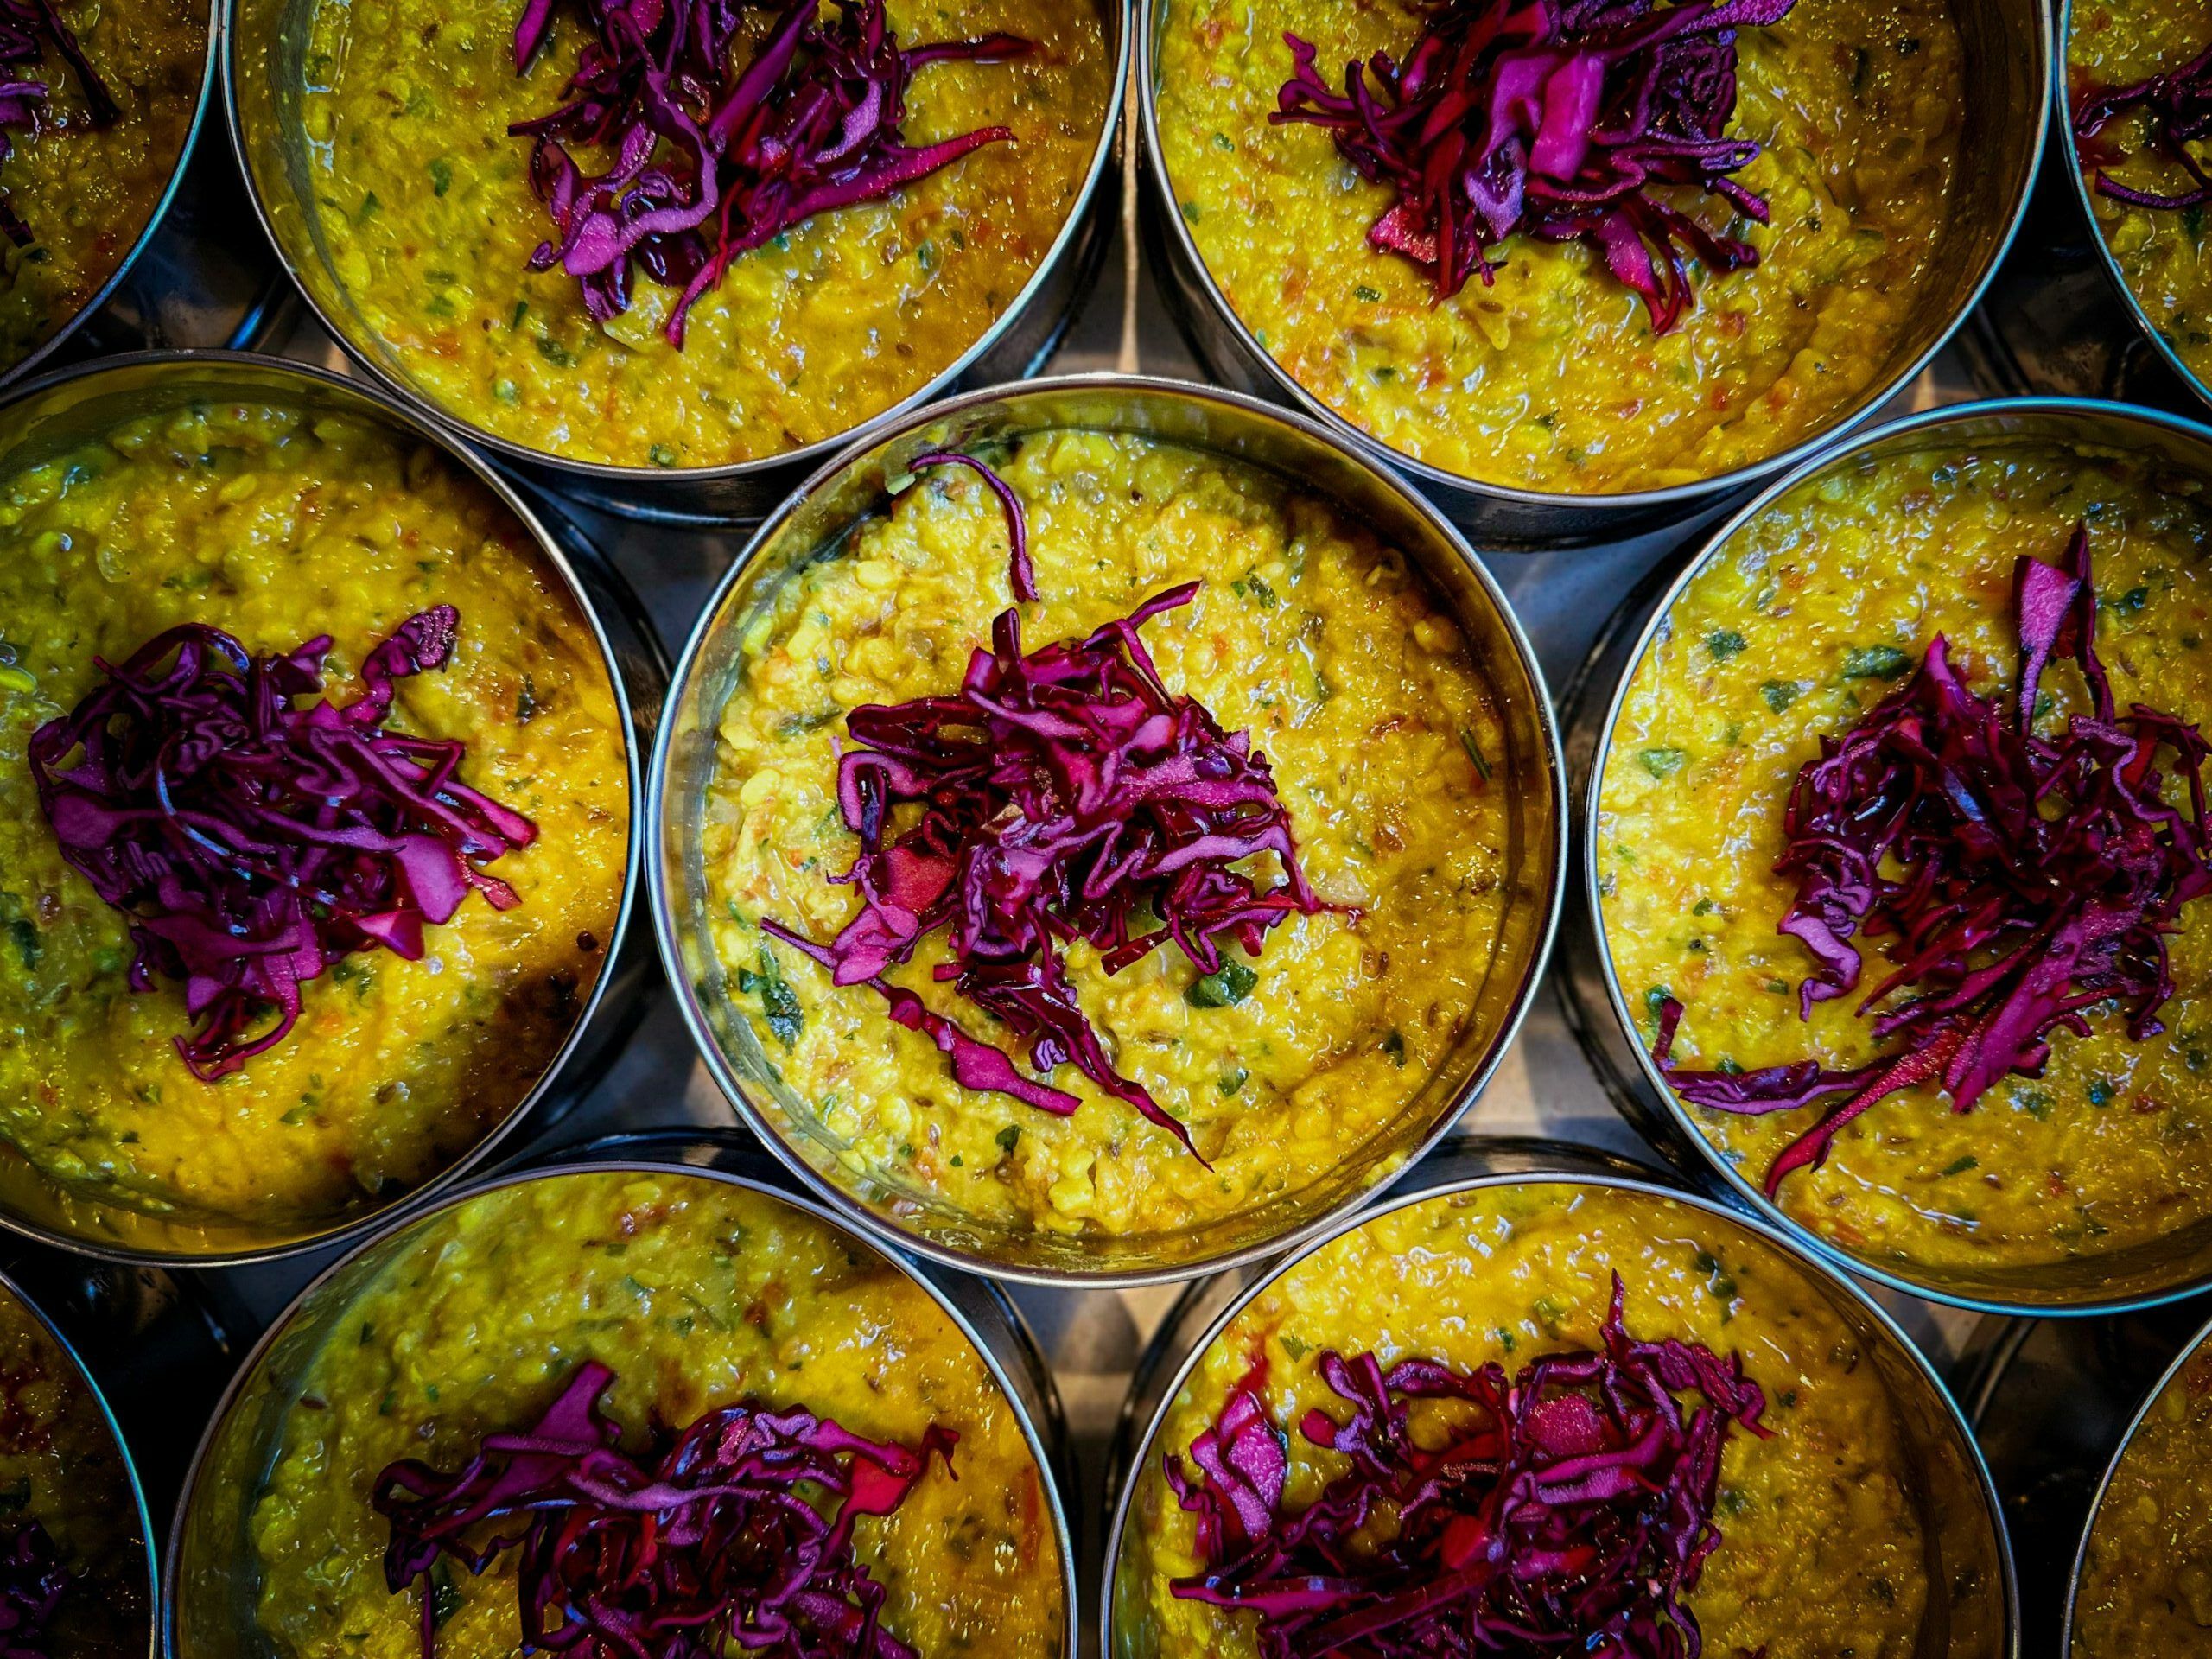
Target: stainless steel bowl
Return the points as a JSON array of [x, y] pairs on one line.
[[2076, 186], [263, 71], [20, 371], [53, 414], [853, 488], [142, 1520], [210, 1584], [1973, 1610], [1597, 1008], [2193, 1347], [2008, 58]]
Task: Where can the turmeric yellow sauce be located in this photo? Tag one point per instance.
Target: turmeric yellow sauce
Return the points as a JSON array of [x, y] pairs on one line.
[[1821, 1550], [1810, 614], [86, 193], [696, 1294], [277, 525], [2146, 1591], [1387, 741], [1550, 378], [425, 204], [2164, 256]]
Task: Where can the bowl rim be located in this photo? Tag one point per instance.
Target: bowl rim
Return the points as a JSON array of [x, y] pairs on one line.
[[607, 475], [34, 364], [2196, 1344], [2062, 119], [1414, 1192], [669, 931], [9, 1286], [1431, 478], [1744, 1191], [171, 1561], [182, 363]]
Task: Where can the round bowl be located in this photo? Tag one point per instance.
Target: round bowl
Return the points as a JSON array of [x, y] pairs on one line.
[[146, 234], [264, 68], [2187, 384], [211, 1584], [1973, 1603], [856, 486], [1609, 1018], [2136, 1437], [49, 416], [2007, 48], [138, 1523]]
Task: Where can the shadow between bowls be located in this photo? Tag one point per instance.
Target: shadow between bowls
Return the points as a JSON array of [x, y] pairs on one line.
[[51, 415], [2008, 55], [1590, 996], [812, 525], [209, 1588], [263, 72], [1973, 1602]]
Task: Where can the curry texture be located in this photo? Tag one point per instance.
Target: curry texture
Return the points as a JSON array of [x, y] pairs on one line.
[[2165, 257], [423, 202], [60, 1465], [696, 1294], [1386, 742], [277, 525], [87, 194], [1810, 614], [2145, 1590], [1822, 1541], [1550, 378]]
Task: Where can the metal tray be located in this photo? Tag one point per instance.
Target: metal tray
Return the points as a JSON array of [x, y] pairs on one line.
[[1093, 1339]]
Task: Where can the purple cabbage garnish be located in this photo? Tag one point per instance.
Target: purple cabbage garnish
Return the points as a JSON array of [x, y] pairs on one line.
[[2178, 104], [735, 1534], [706, 161], [253, 843], [32, 1584], [2025, 879], [1565, 120], [1573, 1515], [1062, 794], [27, 28]]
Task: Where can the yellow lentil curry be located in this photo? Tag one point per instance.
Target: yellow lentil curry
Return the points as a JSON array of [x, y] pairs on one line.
[[87, 193], [2146, 1591], [1551, 378], [1821, 1547], [278, 525], [425, 204], [61, 1466], [1386, 740], [696, 1294], [2165, 257], [1811, 612]]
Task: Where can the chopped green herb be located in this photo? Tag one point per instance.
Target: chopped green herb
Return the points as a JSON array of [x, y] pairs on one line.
[[1292, 1346], [1960, 1166], [1725, 643], [662, 456], [1225, 987], [1663, 762], [1233, 1080], [1474, 753], [1874, 663], [1363, 292], [441, 176], [778, 1002], [1009, 1137], [1395, 1047]]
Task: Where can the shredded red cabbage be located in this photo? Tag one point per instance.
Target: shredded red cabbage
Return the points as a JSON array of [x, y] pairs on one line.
[[32, 1584], [1062, 794], [27, 28], [253, 843], [2178, 106], [709, 160], [2025, 879], [737, 1530], [1565, 120], [1572, 1512]]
